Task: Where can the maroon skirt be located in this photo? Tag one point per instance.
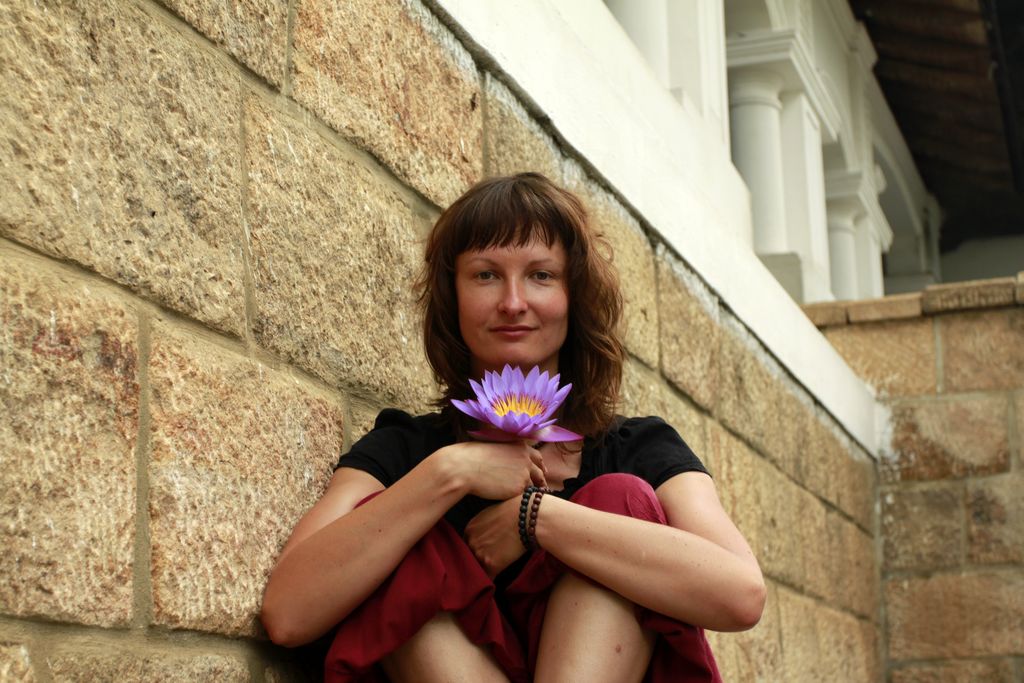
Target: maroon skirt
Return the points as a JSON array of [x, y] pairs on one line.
[[440, 573]]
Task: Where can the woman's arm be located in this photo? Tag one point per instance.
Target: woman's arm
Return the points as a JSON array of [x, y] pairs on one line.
[[698, 569], [338, 553]]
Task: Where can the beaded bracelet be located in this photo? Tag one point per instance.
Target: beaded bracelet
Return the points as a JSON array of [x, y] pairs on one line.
[[531, 530], [527, 492], [526, 531]]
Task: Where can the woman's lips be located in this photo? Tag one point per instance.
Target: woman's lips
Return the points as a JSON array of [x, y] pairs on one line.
[[512, 332]]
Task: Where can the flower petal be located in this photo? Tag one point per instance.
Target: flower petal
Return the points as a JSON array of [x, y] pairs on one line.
[[555, 434]]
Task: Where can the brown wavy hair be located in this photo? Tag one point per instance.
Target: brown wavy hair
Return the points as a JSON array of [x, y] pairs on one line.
[[513, 211]]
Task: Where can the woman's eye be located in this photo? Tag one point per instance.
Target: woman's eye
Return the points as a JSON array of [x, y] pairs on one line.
[[485, 275], [543, 275]]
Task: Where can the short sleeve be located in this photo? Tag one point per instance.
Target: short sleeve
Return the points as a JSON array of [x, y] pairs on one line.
[[651, 449], [389, 450]]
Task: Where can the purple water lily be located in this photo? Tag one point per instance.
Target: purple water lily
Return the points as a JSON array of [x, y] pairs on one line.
[[515, 408]]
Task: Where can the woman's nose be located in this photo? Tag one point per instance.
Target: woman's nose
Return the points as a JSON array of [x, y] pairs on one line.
[[512, 300]]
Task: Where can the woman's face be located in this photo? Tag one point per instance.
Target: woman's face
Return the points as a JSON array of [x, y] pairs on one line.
[[513, 305]]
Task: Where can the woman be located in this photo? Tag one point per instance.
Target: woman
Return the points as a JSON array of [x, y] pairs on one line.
[[632, 552]]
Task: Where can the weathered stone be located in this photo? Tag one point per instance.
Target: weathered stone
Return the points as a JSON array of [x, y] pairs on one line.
[[955, 671], [982, 350], [783, 523], [15, 665], [957, 296], [389, 77], [254, 31], [938, 439], [845, 573], [826, 313], [753, 656], [995, 519], [1019, 296], [892, 307], [837, 470], [750, 393], [644, 393], [68, 426], [633, 259], [240, 452], [966, 614], [690, 332], [119, 152], [922, 528], [143, 667], [895, 357], [824, 644], [334, 251], [363, 418], [513, 141]]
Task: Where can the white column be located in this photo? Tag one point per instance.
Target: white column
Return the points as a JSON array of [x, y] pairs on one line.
[[842, 249], [869, 260], [805, 192], [754, 107]]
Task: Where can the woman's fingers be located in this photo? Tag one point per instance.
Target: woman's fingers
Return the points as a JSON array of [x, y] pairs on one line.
[[537, 475]]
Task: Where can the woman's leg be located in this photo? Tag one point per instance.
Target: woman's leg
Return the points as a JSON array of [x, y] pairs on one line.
[[591, 634], [441, 652]]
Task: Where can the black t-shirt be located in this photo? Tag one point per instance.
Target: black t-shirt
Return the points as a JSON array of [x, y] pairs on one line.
[[643, 446]]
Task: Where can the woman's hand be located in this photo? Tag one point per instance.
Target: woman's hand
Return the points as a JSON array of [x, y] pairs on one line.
[[495, 471], [493, 536]]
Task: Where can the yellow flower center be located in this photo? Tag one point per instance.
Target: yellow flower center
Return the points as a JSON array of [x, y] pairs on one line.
[[517, 403]]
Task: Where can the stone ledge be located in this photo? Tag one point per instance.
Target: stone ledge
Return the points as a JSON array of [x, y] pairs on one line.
[[826, 313], [893, 307], [943, 298], [957, 296]]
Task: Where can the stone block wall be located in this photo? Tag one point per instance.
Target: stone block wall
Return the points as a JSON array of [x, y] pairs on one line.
[[950, 365], [210, 222]]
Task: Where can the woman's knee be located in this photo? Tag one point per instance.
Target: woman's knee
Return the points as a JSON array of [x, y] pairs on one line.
[[623, 494]]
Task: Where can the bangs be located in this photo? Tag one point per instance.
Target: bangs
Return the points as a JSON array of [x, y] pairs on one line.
[[511, 214]]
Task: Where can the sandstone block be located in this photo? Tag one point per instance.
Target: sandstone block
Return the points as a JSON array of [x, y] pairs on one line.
[[955, 671], [389, 77], [896, 357], [922, 528], [939, 439], [68, 427], [644, 392], [120, 152], [240, 452], [892, 307], [253, 31], [755, 399], [982, 350], [965, 614], [513, 141], [334, 251], [995, 519], [956, 296], [826, 313], [632, 257], [1019, 295], [755, 655], [845, 574], [15, 665], [783, 524], [690, 332], [143, 667], [825, 644]]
